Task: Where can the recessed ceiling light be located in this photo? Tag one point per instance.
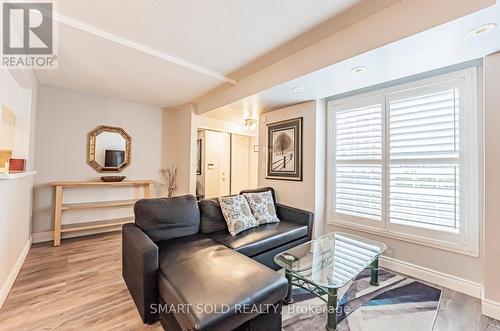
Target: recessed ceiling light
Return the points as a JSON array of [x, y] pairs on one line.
[[483, 29], [359, 69], [298, 89]]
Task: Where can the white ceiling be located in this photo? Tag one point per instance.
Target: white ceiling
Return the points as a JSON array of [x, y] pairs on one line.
[[168, 52], [436, 48]]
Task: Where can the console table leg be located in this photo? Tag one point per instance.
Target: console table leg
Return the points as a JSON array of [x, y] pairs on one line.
[[289, 295], [374, 273], [58, 215], [331, 324]]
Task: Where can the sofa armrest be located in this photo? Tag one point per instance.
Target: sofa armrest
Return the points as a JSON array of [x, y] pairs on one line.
[[295, 215], [140, 270]]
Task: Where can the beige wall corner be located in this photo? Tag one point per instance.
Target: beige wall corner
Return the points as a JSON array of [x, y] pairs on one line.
[[299, 194], [393, 23], [320, 169], [492, 185], [179, 146]]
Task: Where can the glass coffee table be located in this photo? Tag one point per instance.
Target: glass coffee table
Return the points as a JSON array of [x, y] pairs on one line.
[[329, 262]]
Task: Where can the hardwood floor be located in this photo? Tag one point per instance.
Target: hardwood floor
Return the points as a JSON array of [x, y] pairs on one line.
[[78, 286]]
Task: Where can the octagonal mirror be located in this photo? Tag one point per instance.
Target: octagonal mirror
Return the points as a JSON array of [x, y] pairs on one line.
[[108, 149]]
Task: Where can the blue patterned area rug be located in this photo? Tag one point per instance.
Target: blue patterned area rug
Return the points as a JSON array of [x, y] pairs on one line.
[[398, 303]]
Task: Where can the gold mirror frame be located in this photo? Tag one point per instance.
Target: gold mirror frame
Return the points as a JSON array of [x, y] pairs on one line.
[[91, 142]]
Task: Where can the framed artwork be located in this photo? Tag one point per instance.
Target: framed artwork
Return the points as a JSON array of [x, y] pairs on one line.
[[284, 145], [198, 157]]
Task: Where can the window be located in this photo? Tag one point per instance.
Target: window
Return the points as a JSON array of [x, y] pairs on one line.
[[358, 160], [404, 162]]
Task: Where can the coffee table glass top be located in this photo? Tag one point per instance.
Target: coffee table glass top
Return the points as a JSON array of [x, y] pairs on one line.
[[332, 260]]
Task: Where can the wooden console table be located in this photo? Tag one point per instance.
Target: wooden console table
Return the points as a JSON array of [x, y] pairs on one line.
[[59, 206]]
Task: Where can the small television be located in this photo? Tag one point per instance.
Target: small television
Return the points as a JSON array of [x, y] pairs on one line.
[[114, 158]]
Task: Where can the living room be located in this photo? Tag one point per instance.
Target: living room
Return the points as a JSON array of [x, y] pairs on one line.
[[236, 165]]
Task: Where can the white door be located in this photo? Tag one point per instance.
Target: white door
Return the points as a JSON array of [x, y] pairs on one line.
[[217, 164], [240, 147]]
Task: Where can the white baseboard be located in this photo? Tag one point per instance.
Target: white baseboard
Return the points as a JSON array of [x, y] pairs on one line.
[[49, 235], [432, 276], [7, 285], [491, 308]]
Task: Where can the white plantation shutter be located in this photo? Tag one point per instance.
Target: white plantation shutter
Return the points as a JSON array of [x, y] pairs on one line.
[[358, 161], [424, 158], [405, 161]]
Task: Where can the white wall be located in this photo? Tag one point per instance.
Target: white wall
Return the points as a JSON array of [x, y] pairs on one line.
[[15, 194], [15, 214], [64, 118]]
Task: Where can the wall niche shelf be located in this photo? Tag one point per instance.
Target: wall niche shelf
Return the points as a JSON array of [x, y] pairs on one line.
[[59, 206]]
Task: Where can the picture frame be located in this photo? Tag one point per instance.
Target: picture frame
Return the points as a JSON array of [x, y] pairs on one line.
[[284, 150], [198, 156]]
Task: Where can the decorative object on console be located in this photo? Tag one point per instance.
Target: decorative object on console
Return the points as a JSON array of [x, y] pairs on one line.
[[108, 149], [262, 206], [17, 165], [112, 178], [5, 155], [170, 176], [237, 214], [284, 150]]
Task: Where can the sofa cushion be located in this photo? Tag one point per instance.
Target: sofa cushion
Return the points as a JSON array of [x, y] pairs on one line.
[[237, 214], [262, 189], [198, 271], [262, 206], [167, 218], [211, 218], [262, 238]]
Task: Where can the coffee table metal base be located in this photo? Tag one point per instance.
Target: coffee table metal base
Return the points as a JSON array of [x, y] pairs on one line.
[[331, 294]]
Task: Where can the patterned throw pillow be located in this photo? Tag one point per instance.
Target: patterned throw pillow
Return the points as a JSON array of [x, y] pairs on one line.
[[237, 214], [262, 206]]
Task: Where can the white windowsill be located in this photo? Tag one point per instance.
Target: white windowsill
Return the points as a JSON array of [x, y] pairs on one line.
[[447, 246], [6, 176]]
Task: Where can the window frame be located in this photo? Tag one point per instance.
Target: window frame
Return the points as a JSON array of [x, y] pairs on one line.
[[466, 241]]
